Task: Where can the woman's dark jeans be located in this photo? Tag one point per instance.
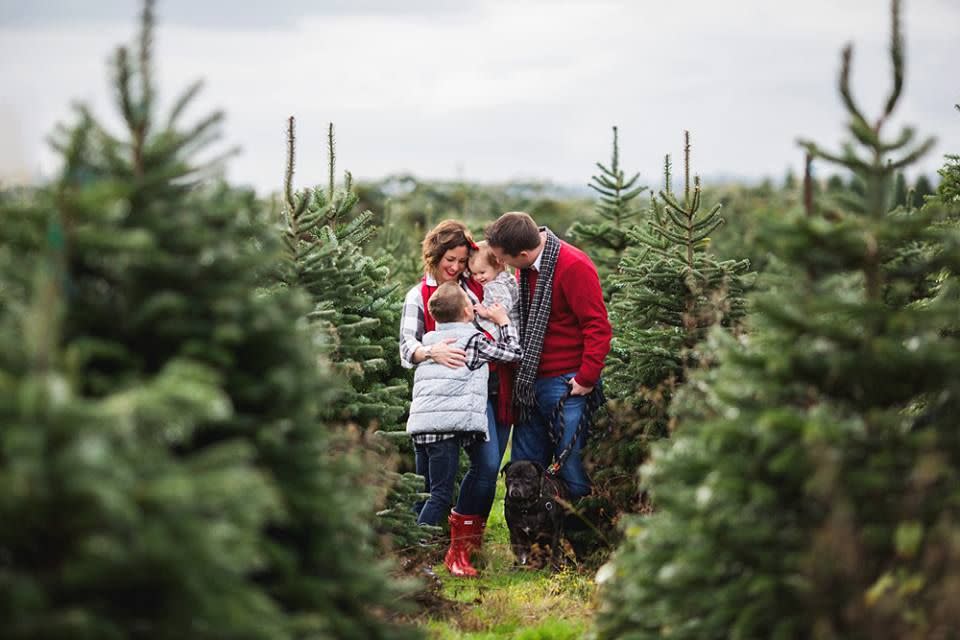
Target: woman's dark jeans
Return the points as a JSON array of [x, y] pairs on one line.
[[479, 486]]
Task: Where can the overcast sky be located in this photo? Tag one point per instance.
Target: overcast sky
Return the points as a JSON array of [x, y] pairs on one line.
[[490, 90]]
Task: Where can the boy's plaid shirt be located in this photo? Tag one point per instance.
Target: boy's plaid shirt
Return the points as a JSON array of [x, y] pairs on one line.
[[481, 350]]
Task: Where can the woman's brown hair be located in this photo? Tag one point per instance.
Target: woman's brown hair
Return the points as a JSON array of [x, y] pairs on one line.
[[447, 235]]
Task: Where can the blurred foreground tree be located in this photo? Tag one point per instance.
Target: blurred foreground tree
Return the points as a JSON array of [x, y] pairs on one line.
[[164, 456], [819, 497]]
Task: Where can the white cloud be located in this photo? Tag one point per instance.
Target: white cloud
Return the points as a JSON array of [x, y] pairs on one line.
[[507, 89]]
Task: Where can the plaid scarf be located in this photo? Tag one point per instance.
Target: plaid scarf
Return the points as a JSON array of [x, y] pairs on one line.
[[534, 316]]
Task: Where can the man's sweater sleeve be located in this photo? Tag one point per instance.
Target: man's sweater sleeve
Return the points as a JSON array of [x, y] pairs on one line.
[[581, 286]]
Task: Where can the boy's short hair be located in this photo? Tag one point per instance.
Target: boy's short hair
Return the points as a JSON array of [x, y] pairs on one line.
[[513, 232], [484, 253], [448, 302]]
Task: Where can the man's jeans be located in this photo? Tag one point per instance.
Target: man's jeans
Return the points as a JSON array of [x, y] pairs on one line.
[[532, 442], [479, 486], [437, 463]]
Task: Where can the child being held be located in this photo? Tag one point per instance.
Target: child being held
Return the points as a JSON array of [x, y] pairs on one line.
[[449, 407], [499, 285]]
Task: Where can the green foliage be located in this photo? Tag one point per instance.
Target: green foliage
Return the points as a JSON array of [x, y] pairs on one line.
[[164, 456], [670, 290], [948, 191], [355, 308], [356, 305], [508, 603], [816, 494]]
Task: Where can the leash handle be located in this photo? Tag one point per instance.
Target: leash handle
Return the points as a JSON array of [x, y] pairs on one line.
[[593, 401]]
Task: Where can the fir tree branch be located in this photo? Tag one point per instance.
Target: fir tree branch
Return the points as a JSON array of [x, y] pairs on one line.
[[845, 93], [291, 156], [182, 102], [331, 162], [896, 57]]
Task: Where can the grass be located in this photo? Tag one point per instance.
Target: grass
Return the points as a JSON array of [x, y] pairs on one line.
[[510, 603]]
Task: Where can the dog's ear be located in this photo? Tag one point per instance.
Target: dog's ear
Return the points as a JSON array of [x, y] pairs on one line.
[[539, 466], [505, 467]]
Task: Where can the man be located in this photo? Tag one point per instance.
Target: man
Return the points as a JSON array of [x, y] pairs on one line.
[[565, 335]]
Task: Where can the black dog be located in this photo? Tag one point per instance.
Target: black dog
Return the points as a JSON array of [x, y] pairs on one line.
[[534, 513]]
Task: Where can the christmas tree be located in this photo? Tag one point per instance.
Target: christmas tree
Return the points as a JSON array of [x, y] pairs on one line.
[[671, 290], [607, 239], [355, 303], [819, 497], [948, 191], [355, 308], [186, 484]]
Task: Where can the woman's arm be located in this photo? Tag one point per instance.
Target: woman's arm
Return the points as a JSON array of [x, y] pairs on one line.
[[412, 352]]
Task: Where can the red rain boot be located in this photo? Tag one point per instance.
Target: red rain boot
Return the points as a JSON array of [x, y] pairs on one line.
[[462, 533]]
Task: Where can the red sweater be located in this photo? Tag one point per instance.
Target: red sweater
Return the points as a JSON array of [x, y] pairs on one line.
[[578, 332]]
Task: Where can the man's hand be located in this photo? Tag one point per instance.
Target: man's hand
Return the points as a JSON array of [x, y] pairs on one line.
[[495, 313], [452, 357], [576, 389]]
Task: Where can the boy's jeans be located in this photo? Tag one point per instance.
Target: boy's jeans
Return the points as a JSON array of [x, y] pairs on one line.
[[437, 463], [531, 441]]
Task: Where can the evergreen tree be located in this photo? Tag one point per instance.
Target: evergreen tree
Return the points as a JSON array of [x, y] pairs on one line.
[[608, 239], [186, 485], [790, 180], [922, 189], [355, 303], [900, 190], [948, 191], [819, 499], [835, 183], [355, 307], [108, 532], [671, 290]]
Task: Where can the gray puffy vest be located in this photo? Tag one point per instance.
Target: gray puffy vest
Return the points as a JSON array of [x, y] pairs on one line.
[[449, 400]]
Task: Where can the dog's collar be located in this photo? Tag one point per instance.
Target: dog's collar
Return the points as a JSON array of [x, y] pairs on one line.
[[527, 505], [531, 505]]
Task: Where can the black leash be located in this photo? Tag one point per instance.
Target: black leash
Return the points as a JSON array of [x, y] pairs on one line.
[[557, 425]]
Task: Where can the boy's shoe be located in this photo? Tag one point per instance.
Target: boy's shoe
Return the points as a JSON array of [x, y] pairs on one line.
[[463, 531]]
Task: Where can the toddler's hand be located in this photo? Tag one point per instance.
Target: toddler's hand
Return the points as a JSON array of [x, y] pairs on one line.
[[495, 313]]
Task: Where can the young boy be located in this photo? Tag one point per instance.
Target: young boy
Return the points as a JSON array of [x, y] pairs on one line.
[[449, 407]]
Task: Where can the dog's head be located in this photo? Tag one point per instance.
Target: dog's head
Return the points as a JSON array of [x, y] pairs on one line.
[[523, 479]]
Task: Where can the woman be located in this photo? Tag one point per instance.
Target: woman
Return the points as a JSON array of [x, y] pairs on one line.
[[446, 251]]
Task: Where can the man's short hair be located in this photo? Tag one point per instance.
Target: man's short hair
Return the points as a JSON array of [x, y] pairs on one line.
[[448, 302], [513, 232]]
